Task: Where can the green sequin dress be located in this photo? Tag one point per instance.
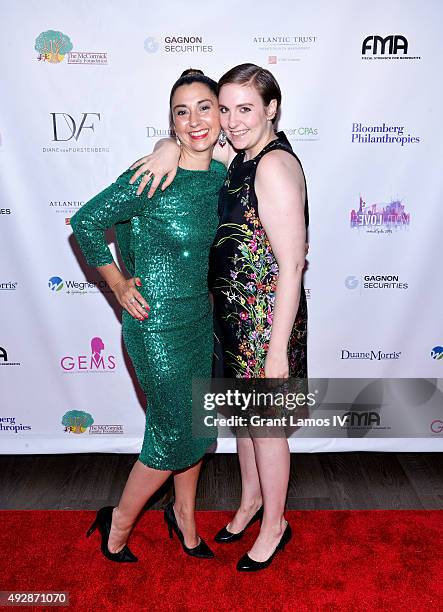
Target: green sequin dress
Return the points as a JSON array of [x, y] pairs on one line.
[[165, 241]]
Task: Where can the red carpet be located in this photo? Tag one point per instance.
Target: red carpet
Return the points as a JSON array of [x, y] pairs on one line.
[[336, 561]]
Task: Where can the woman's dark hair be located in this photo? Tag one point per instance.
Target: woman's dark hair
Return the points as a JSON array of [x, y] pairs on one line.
[[251, 74], [189, 76]]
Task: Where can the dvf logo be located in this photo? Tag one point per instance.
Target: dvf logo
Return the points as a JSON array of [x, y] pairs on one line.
[[62, 122], [377, 45]]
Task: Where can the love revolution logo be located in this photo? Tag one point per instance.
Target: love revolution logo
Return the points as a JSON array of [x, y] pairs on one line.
[[98, 361], [53, 45], [380, 218]]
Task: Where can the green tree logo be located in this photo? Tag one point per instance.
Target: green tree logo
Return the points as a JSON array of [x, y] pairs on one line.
[[53, 46], [76, 421]]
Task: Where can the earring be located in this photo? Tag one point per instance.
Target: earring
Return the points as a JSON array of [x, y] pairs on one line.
[[222, 138]]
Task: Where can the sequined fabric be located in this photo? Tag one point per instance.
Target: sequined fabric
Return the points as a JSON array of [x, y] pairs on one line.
[[243, 278], [165, 241]]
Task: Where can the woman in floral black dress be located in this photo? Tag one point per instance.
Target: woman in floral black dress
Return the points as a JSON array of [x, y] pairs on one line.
[[256, 266]]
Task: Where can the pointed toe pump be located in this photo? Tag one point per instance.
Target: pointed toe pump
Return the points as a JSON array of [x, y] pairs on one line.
[[246, 564], [103, 521], [201, 551], [225, 537]]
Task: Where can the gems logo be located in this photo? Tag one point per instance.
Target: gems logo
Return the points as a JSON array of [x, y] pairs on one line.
[[52, 46], [380, 218], [55, 283], [5, 211], [375, 281], [73, 287], [8, 424], [370, 355], [96, 362], [178, 44], [9, 286], [302, 134], [437, 353], [381, 134], [4, 360], [77, 421], [394, 46]]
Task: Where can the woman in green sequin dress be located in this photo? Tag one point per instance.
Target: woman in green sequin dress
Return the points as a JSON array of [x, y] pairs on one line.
[[165, 246]]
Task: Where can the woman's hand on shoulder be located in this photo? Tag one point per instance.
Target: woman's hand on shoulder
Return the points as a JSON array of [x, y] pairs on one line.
[[162, 162]]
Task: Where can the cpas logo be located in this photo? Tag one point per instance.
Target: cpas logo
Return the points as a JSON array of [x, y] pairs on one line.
[[52, 46]]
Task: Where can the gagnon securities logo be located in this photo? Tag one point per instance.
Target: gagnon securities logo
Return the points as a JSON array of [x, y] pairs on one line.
[[437, 353], [289, 47], [370, 355], [52, 47], [375, 282], [382, 133], [391, 47], [380, 218], [78, 421], [178, 43], [73, 287], [97, 361], [70, 128]]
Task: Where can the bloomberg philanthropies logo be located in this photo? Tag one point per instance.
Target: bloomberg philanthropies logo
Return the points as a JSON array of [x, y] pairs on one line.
[[96, 362], [381, 134]]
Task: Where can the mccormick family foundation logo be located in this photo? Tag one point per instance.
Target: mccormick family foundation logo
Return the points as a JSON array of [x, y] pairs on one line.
[[77, 421], [96, 362], [380, 218], [53, 45]]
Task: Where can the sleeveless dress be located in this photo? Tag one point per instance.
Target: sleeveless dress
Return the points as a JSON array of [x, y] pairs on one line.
[[243, 277], [166, 242]]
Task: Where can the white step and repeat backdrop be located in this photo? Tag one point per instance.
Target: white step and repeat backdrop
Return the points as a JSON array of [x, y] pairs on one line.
[[85, 89]]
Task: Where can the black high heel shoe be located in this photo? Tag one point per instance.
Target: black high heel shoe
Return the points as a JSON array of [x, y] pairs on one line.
[[246, 564], [225, 537], [103, 521], [202, 550]]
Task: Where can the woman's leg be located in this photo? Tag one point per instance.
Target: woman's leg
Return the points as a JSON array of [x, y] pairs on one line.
[[273, 460], [251, 494], [185, 484], [142, 483]]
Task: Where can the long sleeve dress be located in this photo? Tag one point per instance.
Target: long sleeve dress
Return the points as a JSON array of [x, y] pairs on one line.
[[165, 241]]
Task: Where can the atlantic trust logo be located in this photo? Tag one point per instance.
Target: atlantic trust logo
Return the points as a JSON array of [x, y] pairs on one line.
[[97, 361], [380, 218], [73, 287], [52, 47]]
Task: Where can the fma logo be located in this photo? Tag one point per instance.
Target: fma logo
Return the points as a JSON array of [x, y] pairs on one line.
[[55, 283], [437, 352], [378, 45]]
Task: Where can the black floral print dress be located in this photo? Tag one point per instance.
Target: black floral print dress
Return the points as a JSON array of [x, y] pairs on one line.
[[243, 275]]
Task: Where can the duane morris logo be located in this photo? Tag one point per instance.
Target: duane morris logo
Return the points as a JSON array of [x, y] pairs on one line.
[[370, 355], [393, 46], [53, 45]]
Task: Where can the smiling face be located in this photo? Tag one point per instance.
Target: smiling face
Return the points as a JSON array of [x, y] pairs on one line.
[[245, 118], [195, 116]]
